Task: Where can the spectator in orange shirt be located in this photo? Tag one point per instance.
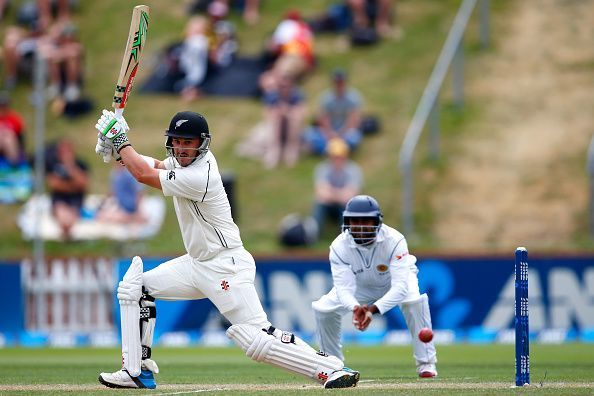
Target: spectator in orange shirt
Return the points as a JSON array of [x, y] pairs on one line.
[[292, 43]]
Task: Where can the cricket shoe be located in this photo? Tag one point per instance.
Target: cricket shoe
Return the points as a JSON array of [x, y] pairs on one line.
[[345, 378], [123, 379], [427, 370]]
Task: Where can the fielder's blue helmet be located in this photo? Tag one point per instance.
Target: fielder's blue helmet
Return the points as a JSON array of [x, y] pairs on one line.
[[362, 206]]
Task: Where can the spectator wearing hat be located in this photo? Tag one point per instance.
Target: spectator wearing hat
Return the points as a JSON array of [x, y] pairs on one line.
[[336, 180], [339, 116], [11, 132]]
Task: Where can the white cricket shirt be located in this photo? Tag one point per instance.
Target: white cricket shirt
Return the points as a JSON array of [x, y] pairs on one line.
[[380, 271], [201, 206]]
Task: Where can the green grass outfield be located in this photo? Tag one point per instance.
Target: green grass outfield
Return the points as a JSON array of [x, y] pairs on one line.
[[566, 369]]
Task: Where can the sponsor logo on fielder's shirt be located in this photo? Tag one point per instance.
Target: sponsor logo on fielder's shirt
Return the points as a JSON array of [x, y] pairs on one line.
[[225, 285], [171, 175], [382, 267]]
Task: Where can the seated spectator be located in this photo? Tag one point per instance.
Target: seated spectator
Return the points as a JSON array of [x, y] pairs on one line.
[[284, 115], [11, 133], [336, 180], [371, 14], [291, 46], [193, 58], [249, 8], [4, 4], [222, 43], [123, 203], [67, 180], [63, 52], [51, 10], [21, 42], [226, 46], [19, 45], [340, 116]]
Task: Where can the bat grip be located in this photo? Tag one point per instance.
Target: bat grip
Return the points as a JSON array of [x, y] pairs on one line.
[[118, 111]]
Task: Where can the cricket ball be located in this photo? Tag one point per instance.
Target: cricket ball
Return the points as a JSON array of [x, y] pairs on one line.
[[426, 334]]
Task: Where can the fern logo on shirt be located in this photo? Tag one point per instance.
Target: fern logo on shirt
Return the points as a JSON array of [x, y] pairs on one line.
[[382, 267]]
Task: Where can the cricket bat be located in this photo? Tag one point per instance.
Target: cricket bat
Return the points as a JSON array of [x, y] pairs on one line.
[[130, 62], [132, 54]]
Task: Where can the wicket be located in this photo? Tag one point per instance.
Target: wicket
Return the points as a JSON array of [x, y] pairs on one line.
[[521, 318]]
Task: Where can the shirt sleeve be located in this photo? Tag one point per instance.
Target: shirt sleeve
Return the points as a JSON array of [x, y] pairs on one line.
[[355, 177], [355, 98], [191, 183], [344, 281], [400, 265]]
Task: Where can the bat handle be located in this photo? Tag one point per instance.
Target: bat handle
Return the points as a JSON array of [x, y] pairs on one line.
[[118, 111]]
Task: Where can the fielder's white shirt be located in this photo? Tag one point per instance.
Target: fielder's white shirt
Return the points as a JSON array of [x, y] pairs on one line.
[[201, 206], [380, 271]]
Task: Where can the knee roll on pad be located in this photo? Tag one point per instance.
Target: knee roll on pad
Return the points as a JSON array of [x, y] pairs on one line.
[[283, 349]]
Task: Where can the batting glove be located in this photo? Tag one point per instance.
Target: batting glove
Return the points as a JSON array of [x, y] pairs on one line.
[[114, 129], [104, 148]]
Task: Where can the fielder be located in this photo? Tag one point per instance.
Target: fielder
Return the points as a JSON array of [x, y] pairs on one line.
[[216, 265], [373, 272]]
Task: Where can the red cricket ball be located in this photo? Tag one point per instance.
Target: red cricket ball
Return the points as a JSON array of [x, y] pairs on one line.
[[426, 334]]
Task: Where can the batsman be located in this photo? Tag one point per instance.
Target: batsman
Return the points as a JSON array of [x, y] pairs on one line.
[[215, 264]]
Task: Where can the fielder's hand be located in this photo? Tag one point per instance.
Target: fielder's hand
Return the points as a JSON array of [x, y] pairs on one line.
[[362, 317], [114, 129]]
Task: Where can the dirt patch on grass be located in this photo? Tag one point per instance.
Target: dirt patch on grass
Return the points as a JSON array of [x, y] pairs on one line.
[[518, 177]]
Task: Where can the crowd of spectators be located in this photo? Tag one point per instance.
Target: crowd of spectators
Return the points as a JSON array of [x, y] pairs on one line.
[[210, 44], [288, 59], [45, 28]]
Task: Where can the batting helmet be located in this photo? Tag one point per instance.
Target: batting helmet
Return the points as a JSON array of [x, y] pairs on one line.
[[189, 125], [362, 206]]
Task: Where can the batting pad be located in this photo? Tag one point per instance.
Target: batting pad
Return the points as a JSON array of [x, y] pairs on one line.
[[130, 317], [295, 357], [417, 315]]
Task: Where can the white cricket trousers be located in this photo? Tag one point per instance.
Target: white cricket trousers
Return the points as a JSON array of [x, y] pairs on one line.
[[227, 280], [328, 312]]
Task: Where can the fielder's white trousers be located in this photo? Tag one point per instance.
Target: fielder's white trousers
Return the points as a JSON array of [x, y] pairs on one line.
[[227, 280], [328, 311]]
